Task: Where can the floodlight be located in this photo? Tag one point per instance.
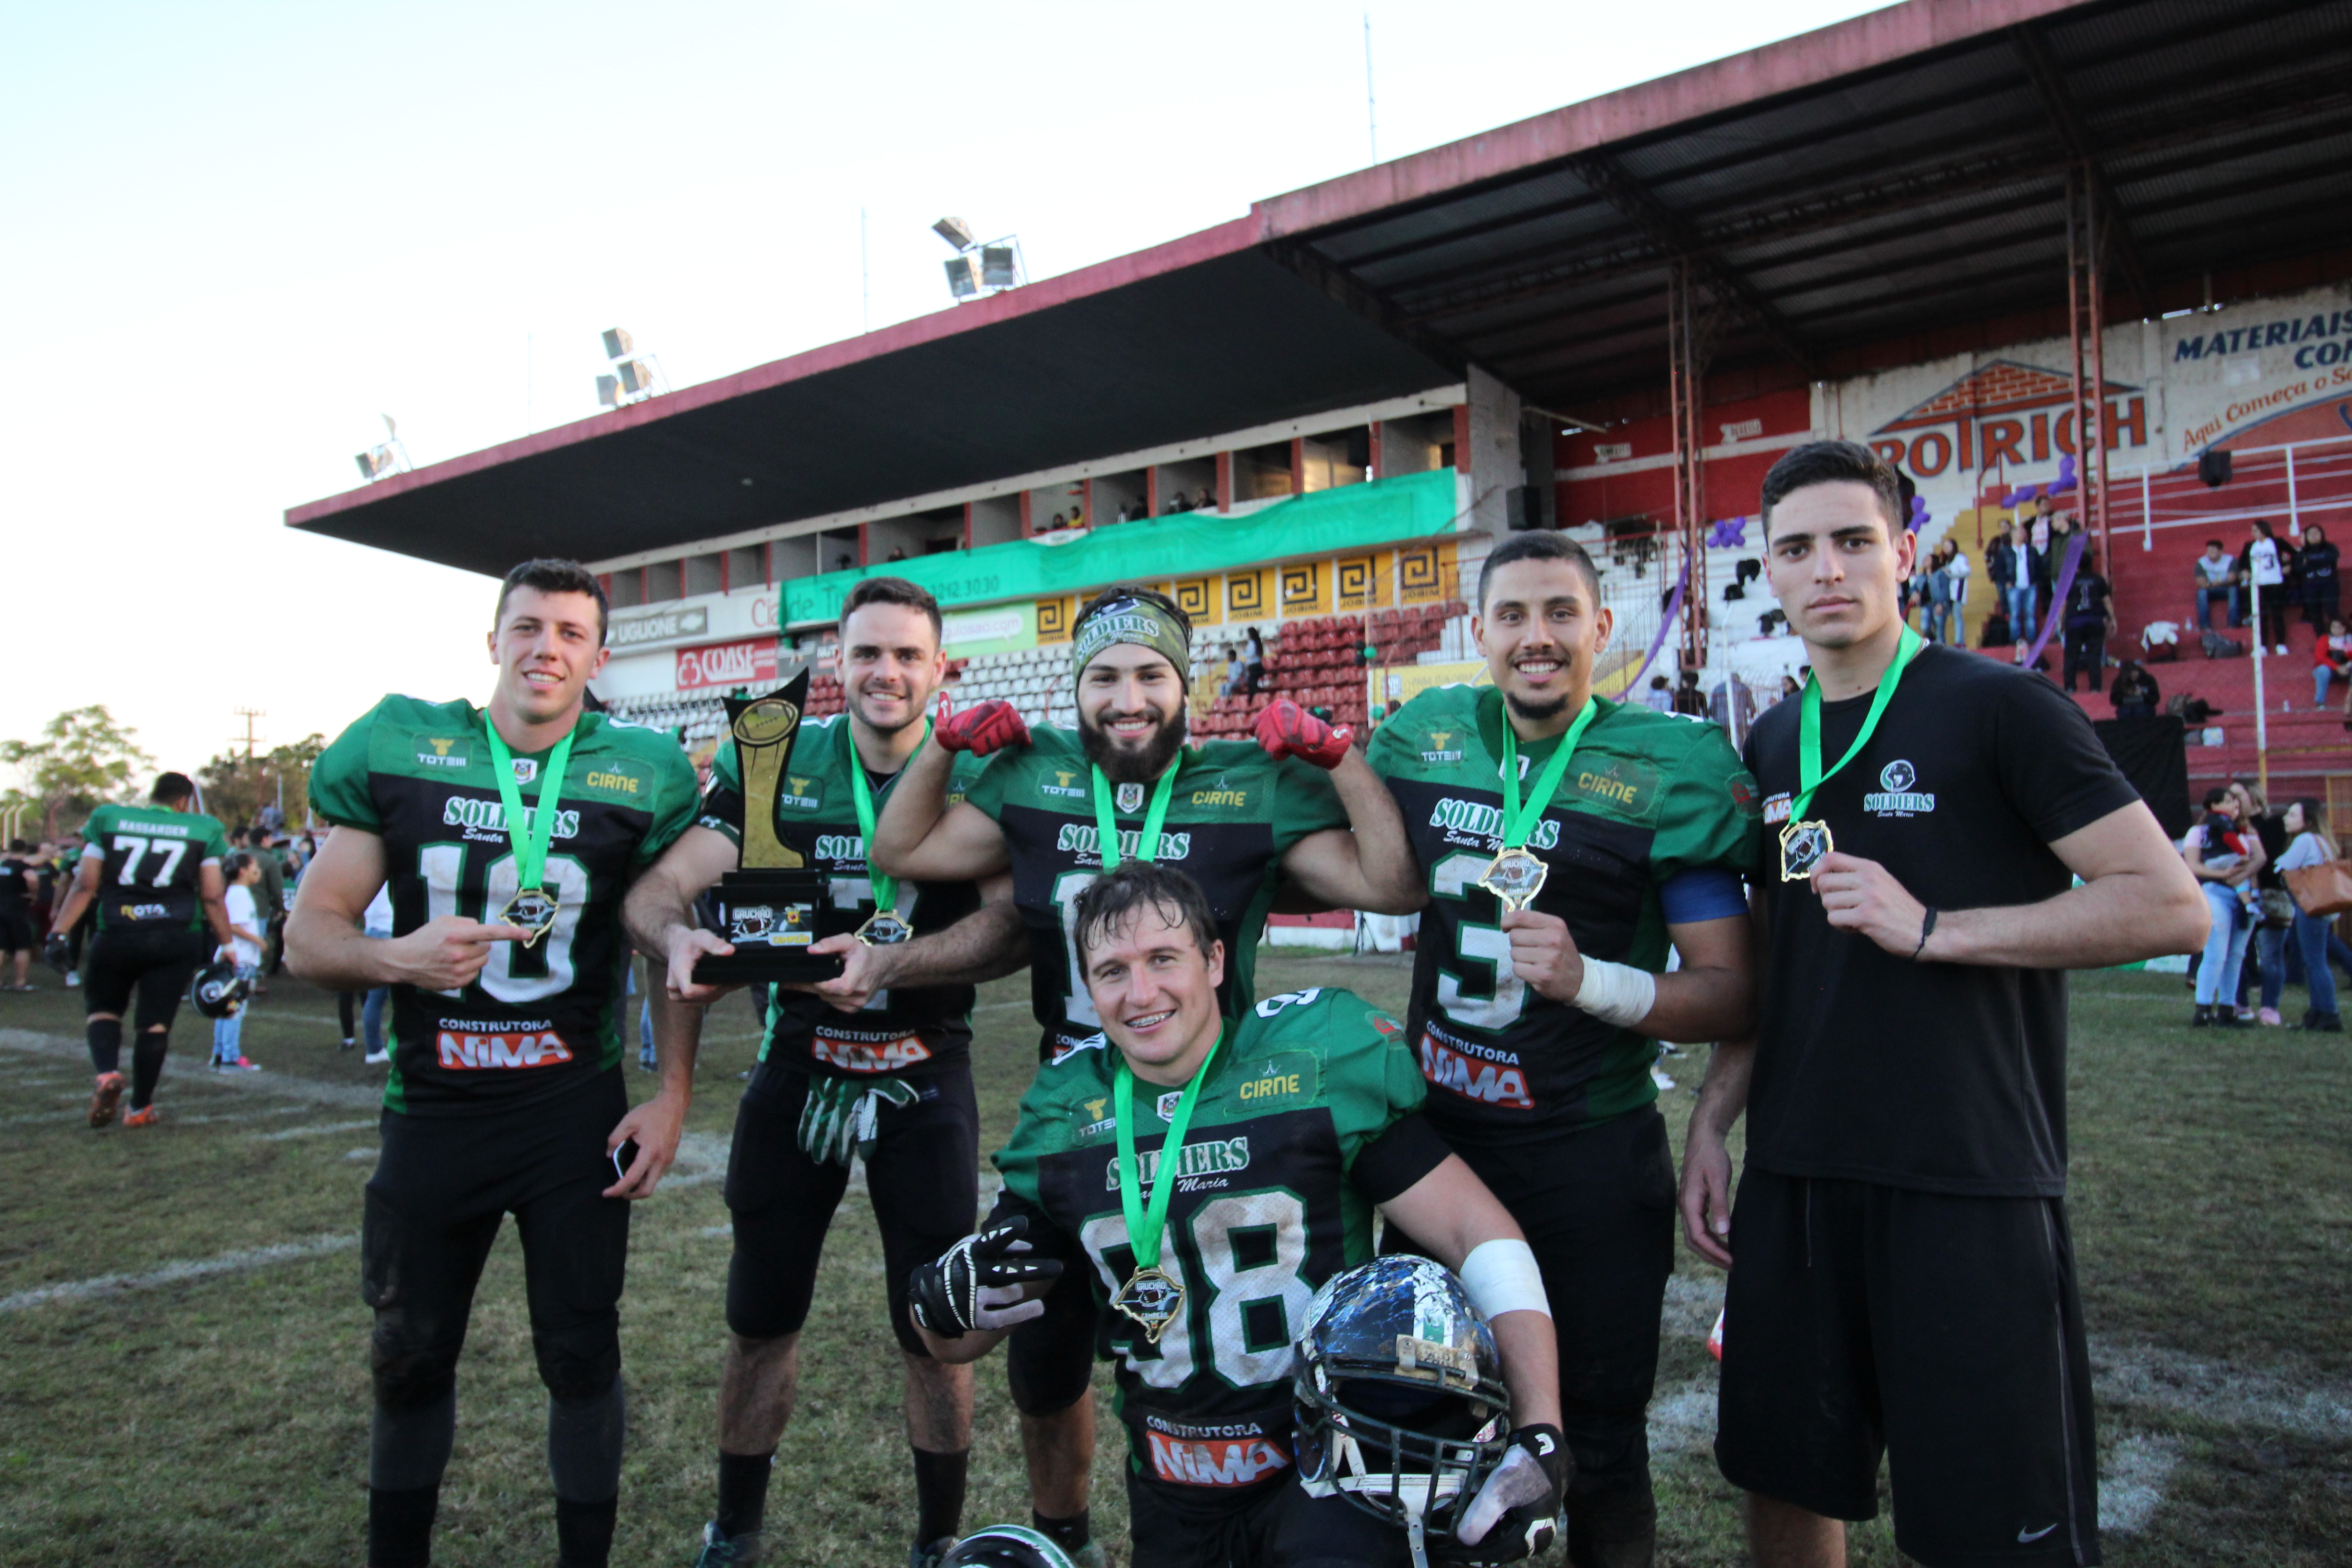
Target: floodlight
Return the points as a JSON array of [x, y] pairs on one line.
[[617, 344], [956, 232], [996, 267], [964, 276], [636, 376], [608, 390]]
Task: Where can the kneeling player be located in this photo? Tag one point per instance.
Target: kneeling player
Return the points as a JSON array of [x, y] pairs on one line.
[[1291, 1122], [154, 873]]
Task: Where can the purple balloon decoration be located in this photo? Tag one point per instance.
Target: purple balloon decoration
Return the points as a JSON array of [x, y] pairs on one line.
[[1730, 533]]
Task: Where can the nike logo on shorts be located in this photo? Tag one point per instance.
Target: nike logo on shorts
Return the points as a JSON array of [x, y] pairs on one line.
[[2026, 1536]]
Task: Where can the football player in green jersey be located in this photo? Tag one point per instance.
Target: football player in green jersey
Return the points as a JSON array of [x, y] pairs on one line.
[[878, 1058], [505, 1094], [1289, 1124], [1238, 818], [153, 873], [1569, 842]]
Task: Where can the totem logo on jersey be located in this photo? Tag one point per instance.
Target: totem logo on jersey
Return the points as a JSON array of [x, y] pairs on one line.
[[1477, 819], [841, 848], [1064, 788], [869, 1055], [1439, 751], [802, 798], [490, 816], [527, 1049], [1079, 839], [1488, 1083], [1896, 796], [1225, 1462], [1212, 1157], [445, 753]]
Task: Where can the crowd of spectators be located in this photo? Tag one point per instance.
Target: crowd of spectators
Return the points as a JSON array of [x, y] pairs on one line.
[[2240, 851]]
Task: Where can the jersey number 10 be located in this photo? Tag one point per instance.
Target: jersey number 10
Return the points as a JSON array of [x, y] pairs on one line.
[[515, 973]]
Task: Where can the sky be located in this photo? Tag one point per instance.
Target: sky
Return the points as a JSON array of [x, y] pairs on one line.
[[237, 235]]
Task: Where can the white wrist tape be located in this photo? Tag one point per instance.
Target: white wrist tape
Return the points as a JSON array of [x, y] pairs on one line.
[[1501, 1276], [1617, 992]]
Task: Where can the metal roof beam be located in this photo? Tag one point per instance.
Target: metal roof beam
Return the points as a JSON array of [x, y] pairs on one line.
[[2050, 87]]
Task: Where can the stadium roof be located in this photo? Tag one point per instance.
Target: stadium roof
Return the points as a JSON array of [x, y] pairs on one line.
[[1886, 177]]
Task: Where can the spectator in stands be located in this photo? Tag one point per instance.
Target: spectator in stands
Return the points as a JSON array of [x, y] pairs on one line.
[[2225, 860], [1956, 570], [1253, 662], [1207, 501], [1176, 504], [2216, 577], [2267, 944], [1789, 686], [2310, 844], [1059, 523], [1078, 516], [1936, 622], [270, 896], [2265, 568], [2317, 567], [1688, 699], [2013, 596], [2090, 620], [2331, 660], [2038, 574], [2135, 692], [1660, 697]]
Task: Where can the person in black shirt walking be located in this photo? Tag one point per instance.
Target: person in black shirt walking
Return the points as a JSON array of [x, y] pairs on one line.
[[2090, 618], [2316, 568], [1906, 1279], [20, 879]]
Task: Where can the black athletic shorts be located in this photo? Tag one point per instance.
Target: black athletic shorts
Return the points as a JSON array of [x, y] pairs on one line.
[[156, 964], [1598, 1208], [1273, 1525], [1944, 1331], [440, 1187], [15, 930], [923, 1181]]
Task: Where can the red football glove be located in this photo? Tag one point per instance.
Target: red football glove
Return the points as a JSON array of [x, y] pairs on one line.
[[982, 728], [1286, 730]]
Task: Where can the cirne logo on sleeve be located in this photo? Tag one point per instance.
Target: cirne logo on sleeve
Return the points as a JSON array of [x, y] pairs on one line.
[[1898, 794]]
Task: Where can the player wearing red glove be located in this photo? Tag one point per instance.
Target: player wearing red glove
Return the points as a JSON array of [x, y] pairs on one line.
[[1299, 806]]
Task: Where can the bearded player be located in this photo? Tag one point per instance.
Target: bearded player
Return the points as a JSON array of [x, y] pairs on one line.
[[507, 836], [153, 873], [1290, 1124], [876, 1060], [1535, 1023], [1238, 818]]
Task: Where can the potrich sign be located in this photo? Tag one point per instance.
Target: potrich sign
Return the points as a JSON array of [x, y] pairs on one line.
[[747, 663]]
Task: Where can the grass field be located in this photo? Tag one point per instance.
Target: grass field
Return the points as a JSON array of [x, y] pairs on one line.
[[183, 1350]]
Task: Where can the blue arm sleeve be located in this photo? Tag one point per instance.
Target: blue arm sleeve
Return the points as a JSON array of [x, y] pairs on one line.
[[1702, 893]]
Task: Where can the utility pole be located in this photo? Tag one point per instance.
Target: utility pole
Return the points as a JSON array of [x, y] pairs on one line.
[[251, 741]]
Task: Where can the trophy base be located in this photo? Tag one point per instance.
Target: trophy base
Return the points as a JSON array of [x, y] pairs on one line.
[[771, 918]]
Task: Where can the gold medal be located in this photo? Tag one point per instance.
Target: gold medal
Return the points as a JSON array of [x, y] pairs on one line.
[[1803, 846], [534, 910], [1516, 878], [884, 929], [1152, 1297]]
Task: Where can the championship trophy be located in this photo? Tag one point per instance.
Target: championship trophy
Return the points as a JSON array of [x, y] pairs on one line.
[[775, 906]]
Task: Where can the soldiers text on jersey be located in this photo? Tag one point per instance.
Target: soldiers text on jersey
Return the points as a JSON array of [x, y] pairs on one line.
[[539, 1020], [1645, 797]]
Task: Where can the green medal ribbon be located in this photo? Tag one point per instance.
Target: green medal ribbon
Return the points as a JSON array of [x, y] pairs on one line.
[[1146, 1224], [1518, 823], [1107, 822], [1810, 776], [886, 889], [529, 834]]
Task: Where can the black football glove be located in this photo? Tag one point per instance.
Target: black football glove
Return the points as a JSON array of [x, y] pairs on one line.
[[59, 952], [1516, 1513], [976, 1284]]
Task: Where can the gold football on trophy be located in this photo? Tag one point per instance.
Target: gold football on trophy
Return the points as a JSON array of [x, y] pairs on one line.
[[766, 721]]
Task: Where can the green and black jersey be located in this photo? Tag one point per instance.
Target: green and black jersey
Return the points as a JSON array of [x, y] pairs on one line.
[[1234, 812], [150, 856], [538, 1021], [1306, 1121], [1647, 799], [915, 1031]]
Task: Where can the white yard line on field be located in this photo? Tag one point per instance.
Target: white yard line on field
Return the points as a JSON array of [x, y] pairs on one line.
[[321, 1130], [177, 1273]]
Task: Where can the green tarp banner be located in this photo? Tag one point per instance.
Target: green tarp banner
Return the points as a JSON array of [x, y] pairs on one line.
[[1188, 544]]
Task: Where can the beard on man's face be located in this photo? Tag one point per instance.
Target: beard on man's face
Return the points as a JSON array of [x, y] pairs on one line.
[[1536, 712], [1133, 765]]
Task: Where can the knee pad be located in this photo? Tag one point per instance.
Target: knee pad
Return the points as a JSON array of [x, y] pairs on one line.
[[1616, 1527], [410, 1376], [579, 1363]]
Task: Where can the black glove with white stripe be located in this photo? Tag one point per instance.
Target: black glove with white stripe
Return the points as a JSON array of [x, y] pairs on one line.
[[1516, 1513], [981, 1283]]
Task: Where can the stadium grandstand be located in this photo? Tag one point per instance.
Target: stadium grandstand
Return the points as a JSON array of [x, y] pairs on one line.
[[2058, 260]]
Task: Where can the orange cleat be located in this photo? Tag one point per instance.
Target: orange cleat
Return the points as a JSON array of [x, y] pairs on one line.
[[146, 1117], [102, 1103]]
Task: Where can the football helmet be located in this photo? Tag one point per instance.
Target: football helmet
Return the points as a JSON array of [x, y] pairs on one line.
[[1006, 1546], [1399, 1400], [221, 990]]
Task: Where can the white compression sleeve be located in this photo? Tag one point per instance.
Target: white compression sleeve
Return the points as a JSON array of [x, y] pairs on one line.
[[1617, 992], [1501, 1276]]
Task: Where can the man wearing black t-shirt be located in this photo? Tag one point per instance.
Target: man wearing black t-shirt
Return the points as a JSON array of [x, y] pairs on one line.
[[1906, 1279]]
